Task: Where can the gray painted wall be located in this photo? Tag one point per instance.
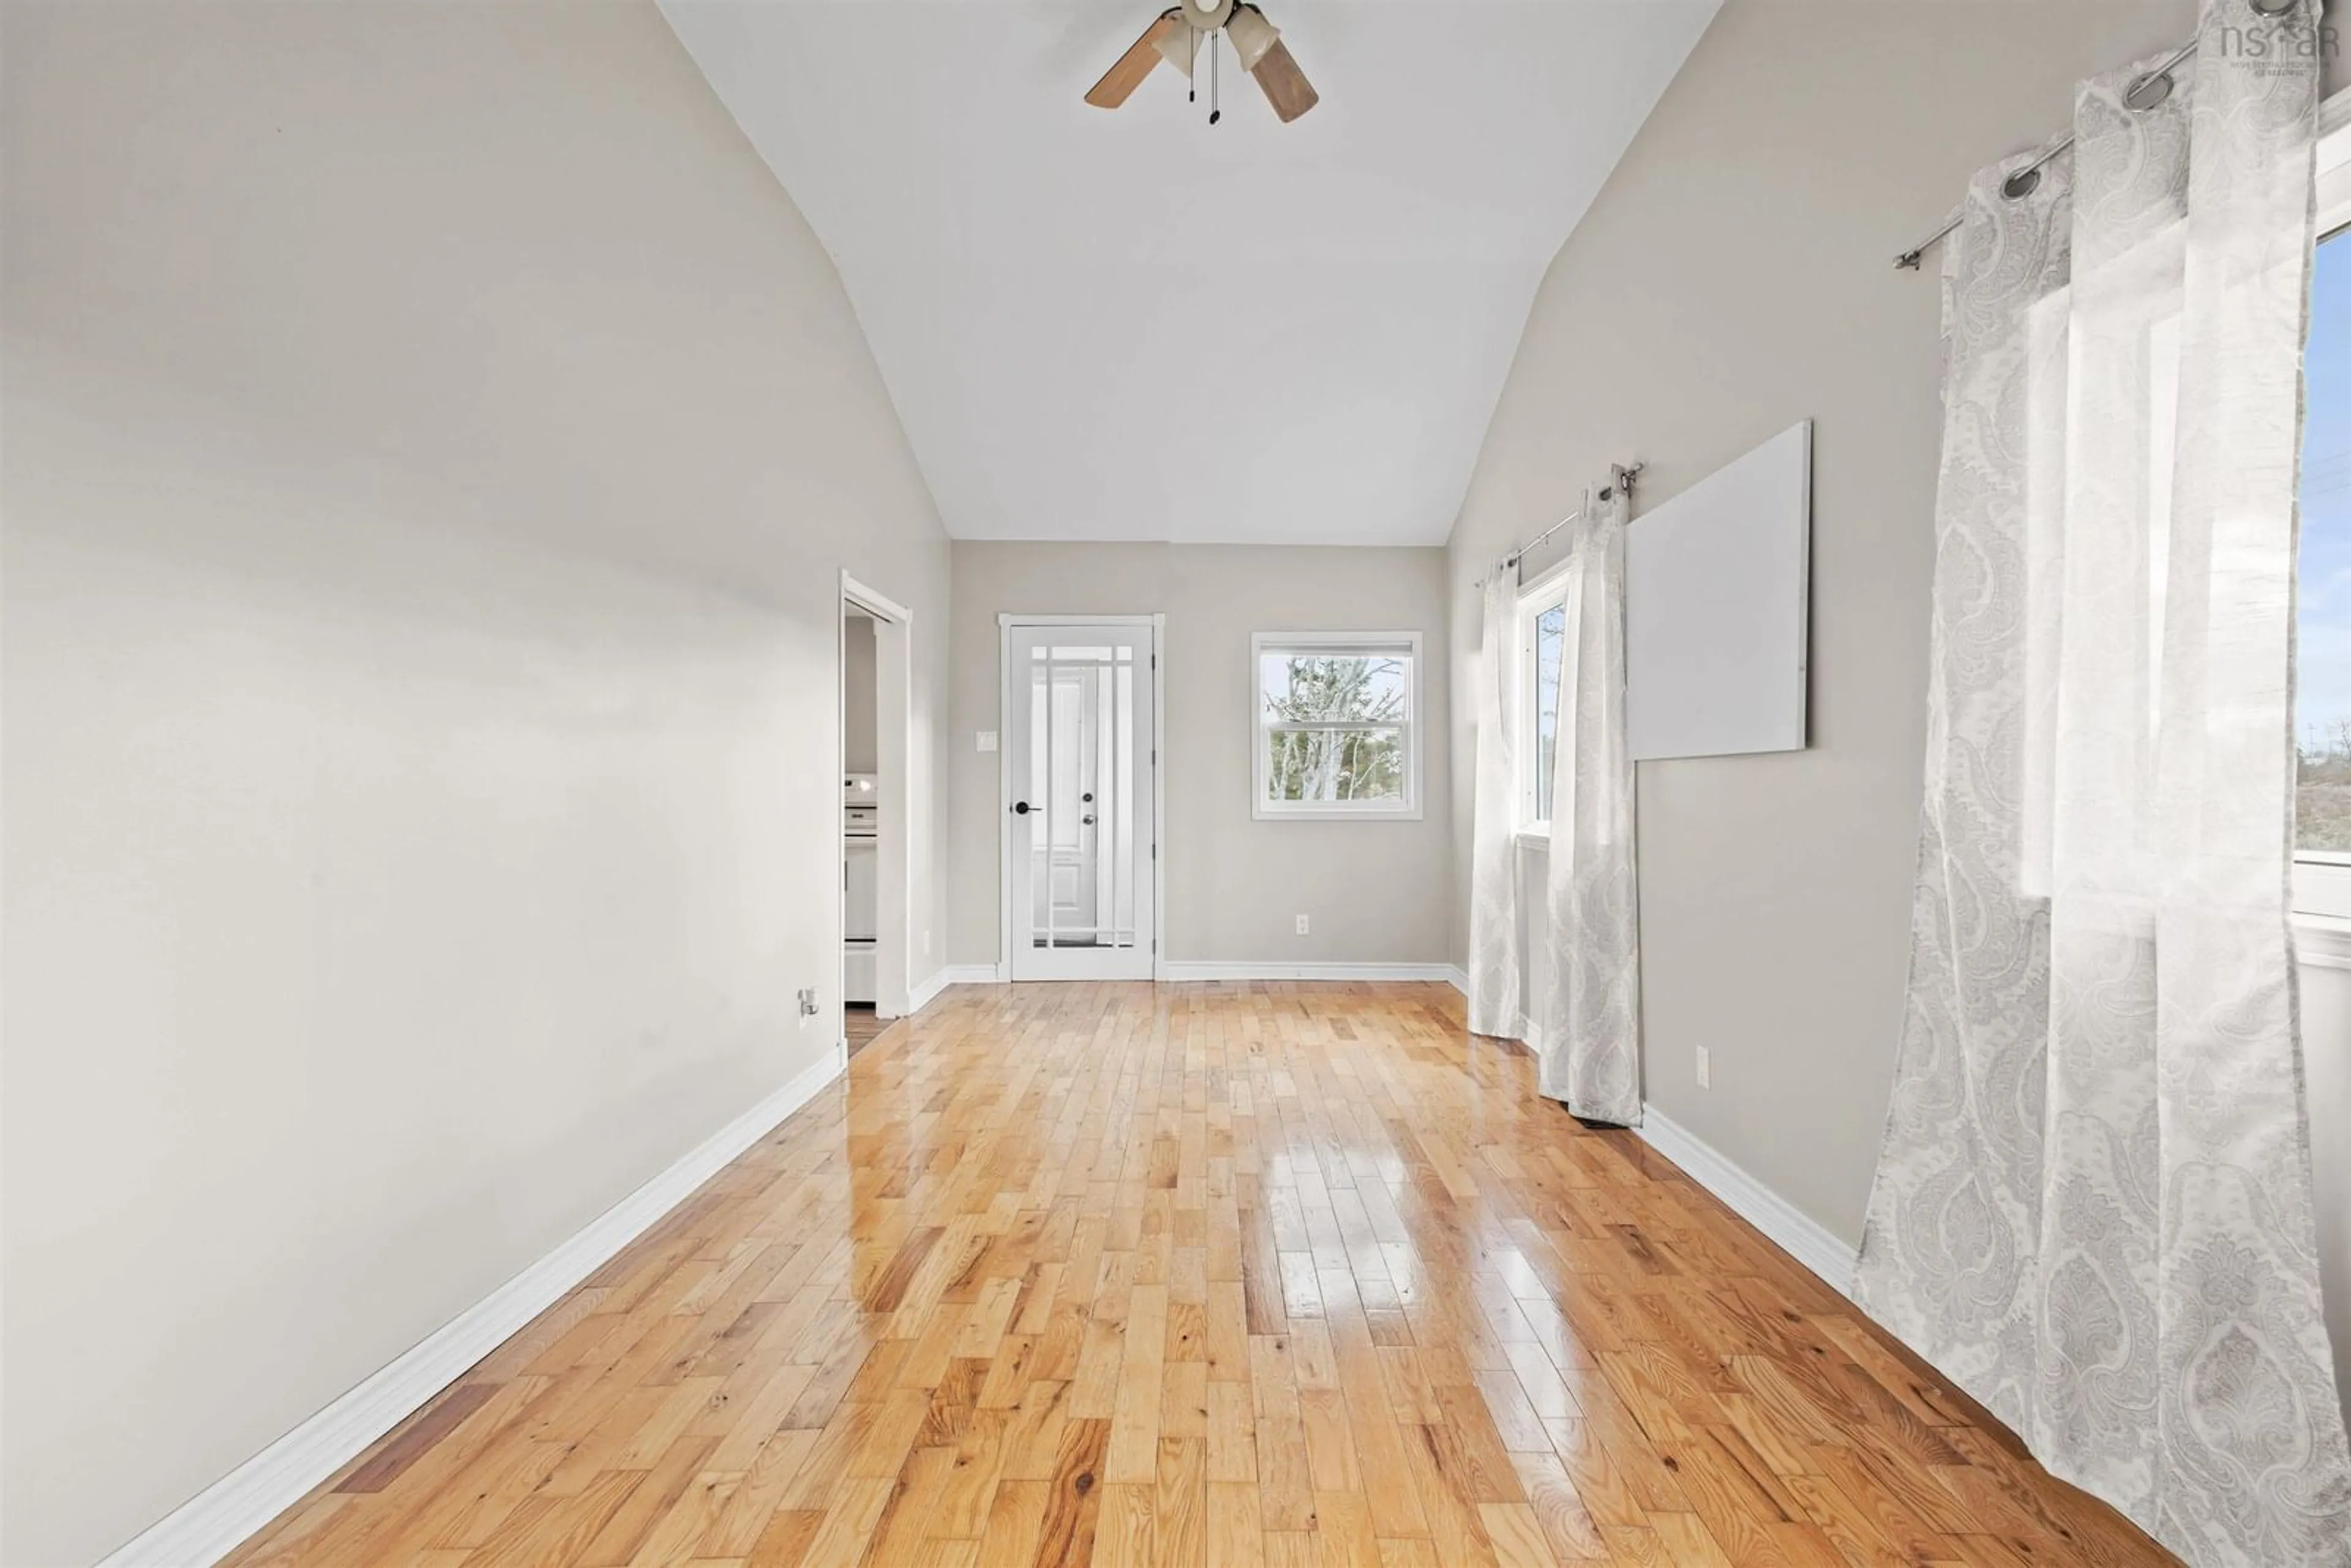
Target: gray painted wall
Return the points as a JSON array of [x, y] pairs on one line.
[[2339, 47], [1731, 278], [1373, 891], [432, 441]]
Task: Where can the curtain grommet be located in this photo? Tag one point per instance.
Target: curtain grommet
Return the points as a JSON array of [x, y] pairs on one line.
[[2150, 91], [2020, 184]]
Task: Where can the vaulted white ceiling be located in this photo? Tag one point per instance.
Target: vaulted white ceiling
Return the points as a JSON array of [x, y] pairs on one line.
[[1132, 325]]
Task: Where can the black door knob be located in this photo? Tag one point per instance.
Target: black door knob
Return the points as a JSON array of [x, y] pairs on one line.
[[1021, 807], [1089, 819]]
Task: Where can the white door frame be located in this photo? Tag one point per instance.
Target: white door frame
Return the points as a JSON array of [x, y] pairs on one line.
[[893, 629], [1004, 622]]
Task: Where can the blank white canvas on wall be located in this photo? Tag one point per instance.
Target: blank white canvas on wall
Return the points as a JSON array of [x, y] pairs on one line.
[[1716, 582]]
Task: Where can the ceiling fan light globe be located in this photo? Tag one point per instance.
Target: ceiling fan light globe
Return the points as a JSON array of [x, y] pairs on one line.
[[1178, 45], [1251, 35]]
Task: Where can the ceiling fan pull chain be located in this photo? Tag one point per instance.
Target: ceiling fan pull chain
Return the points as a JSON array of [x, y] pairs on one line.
[[1215, 113]]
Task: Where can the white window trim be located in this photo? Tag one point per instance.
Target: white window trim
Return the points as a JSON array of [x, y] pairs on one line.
[[2322, 880], [1540, 592], [1265, 810]]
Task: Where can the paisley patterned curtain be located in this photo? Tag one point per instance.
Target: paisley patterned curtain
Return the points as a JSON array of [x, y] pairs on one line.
[[2093, 1209], [1589, 1042], [1494, 963]]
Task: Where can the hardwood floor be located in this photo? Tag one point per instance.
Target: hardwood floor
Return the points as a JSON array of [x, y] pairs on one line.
[[1279, 1274], [861, 1026]]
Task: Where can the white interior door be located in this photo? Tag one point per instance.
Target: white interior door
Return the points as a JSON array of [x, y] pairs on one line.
[[1079, 732]]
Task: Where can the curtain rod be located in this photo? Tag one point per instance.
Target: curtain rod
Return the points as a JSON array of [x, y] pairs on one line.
[[1622, 478], [2143, 94]]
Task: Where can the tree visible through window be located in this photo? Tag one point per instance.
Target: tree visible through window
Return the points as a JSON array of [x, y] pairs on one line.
[[1334, 725]]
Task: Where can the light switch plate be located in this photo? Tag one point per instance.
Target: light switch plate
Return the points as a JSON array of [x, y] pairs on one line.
[[987, 740]]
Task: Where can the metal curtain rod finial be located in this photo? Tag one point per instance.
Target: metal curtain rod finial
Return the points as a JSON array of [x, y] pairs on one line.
[[1622, 477], [2146, 93], [1625, 478]]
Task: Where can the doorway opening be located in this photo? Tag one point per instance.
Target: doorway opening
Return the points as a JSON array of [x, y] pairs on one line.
[[875, 701], [861, 843]]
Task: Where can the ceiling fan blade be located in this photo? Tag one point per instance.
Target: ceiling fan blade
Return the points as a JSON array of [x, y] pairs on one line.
[[1132, 66], [1285, 86]]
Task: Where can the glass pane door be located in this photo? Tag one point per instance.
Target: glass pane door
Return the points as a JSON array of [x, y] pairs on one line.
[[1078, 739]]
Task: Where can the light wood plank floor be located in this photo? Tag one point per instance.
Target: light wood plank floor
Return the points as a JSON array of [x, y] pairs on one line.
[[1279, 1274], [860, 1027]]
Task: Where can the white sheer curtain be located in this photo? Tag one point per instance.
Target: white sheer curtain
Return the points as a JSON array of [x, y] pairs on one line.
[[2093, 1209], [1494, 850], [1589, 1042], [1494, 964]]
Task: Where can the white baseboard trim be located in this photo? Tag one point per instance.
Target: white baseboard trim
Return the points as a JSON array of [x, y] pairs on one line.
[[210, 1524], [1177, 970], [922, 993], [1804, 1238]]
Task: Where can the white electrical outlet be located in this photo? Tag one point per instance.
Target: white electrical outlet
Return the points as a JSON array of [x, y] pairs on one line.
[[1705, 1068], [987, 740], [1301, 925], [926, 943], [807, 1005]]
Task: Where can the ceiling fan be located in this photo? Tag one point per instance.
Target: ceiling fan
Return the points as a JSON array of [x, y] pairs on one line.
[[1175, 36]]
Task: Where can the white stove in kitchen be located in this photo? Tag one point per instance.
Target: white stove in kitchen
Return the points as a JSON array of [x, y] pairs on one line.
[[860, 812]]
